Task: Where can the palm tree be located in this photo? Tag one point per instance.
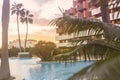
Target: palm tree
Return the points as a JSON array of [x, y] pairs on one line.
[[27, 18], [107, 50], [19, 11], [5, 70]]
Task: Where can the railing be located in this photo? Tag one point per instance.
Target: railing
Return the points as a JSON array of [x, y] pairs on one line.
[[73, 35], [113, 6], [115, 15], [96, 11], [67, 44]]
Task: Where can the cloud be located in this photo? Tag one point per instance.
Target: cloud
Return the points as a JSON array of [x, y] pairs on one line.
[[42, 2], [49, 32], [40, 21], [44, 11], [50, 8], [36, 19]]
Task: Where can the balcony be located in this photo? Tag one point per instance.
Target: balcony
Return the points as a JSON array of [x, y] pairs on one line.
[[73, 35], [99, 18], [68, 44], [113, 6], [115, 15], [95, 11], [80, 7], [72, 11], [117, 25], [79, 1]]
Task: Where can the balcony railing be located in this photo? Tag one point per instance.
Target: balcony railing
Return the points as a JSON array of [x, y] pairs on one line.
[[73, 35], [99, 18], [96, 11], [115, 15], [113, 6], [67, 44]]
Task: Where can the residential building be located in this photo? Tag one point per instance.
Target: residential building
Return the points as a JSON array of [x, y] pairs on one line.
[[84, 9], [113, 10], [15, 43]]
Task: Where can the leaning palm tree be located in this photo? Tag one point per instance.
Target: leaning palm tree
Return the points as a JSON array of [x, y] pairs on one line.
[[19, 11], [105, 51], [4, 70], [27, 18]]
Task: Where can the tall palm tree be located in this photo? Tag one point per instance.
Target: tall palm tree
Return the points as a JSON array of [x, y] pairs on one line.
[[5, 70], [27, 18], [19, 11]]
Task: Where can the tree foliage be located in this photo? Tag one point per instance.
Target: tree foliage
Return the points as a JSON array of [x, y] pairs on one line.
[[18, 10], [44, 50], [13, 52], [105, 51], [26, 18]]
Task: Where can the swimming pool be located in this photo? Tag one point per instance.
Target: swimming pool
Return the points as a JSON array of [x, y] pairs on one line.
[[28, 69]]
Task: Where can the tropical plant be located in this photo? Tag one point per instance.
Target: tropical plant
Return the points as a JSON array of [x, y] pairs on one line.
[[19, 11], [105, 51], [13, 52], [26, 18], [4, 69], [43, 50]]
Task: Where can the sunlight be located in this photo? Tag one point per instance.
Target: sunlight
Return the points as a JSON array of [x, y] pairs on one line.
[[46, 10]]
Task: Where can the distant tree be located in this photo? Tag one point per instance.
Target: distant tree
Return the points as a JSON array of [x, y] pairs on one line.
[[27, 18], [19, 11], [44, 49], [13, 52], [4, 69]]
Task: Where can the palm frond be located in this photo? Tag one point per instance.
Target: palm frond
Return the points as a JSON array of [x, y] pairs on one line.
[[30, 20], [26, 16], [75, 25], [80, 75], [31, 15], [94, 49], [100, 70]]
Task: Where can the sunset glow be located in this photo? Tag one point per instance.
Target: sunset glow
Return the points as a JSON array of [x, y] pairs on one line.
[[44, 11]]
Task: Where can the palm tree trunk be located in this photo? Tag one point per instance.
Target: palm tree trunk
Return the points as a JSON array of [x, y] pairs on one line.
[[26, 35], [105, 15], [105, 11], [5, 70], [19, 39]]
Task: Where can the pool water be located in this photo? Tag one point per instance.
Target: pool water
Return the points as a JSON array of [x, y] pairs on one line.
[[28, 69]]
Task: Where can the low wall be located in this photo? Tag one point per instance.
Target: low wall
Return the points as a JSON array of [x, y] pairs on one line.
[[24, 55]]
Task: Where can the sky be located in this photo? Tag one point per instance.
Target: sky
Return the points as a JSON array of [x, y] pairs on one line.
[[44, 11]]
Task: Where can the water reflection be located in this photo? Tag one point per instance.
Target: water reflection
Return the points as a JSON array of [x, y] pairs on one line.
[[30, 70]]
